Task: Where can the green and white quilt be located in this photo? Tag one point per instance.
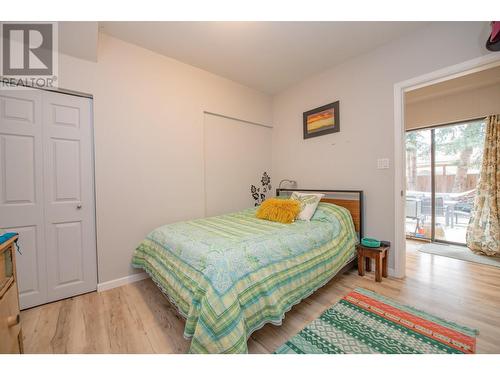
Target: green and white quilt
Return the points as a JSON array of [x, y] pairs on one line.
[[229, 275]]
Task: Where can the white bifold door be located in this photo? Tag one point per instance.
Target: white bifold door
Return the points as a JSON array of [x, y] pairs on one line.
[[47, 192]]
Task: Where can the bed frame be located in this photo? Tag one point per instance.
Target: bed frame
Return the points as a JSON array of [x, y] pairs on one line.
[[350, 199]]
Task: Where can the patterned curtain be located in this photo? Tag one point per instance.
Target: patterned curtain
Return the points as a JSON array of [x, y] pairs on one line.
[[483, 232]]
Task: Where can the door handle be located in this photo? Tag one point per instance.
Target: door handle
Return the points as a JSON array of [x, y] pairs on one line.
[[79, 206]]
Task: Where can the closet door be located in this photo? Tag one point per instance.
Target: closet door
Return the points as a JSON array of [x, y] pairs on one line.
[[47, 192], [236, 155], [69, 196], [21, 188]]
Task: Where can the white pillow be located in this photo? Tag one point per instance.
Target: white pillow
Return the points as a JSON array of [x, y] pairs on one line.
[[308, 204]]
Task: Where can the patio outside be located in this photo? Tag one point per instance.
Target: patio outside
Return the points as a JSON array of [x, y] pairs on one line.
[[458, 156]]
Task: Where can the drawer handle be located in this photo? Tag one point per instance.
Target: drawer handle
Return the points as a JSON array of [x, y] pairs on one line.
[[13, 320]]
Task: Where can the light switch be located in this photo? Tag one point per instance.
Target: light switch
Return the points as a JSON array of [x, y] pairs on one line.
[[382, 163]]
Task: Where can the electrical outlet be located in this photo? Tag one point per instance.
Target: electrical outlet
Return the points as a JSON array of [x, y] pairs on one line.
[[382, 163]]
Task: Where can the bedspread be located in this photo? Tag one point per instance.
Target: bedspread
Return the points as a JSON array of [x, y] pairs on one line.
[[229, 275]]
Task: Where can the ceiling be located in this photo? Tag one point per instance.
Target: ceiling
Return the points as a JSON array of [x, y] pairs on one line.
[[268, 56], [476, 80], [78, 39]]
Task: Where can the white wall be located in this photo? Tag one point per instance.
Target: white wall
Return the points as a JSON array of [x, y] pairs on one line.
[[148, 120], [365, 88]]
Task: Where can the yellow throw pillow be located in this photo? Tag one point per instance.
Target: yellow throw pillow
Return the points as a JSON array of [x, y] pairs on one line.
[[280, 210]]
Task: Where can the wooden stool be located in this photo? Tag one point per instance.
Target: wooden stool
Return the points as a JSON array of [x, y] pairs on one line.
[[379, 254]]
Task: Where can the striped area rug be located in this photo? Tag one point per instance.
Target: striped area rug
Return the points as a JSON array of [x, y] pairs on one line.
[[365, 322]]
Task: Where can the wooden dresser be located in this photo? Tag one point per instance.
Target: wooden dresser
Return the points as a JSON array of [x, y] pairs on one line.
[[11, 337]]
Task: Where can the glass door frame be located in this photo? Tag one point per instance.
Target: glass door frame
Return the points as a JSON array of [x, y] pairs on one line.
[[432, 129], [433, 184]]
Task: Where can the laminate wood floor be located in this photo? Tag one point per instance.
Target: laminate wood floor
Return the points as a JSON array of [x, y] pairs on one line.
[[137, 318]]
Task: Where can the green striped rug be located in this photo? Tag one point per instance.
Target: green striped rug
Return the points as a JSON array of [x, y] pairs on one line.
[[365, 322]]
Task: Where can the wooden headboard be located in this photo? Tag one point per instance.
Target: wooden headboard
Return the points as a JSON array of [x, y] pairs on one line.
[[350, 199]]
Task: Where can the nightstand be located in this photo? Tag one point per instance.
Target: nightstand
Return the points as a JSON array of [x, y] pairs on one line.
[[379, 254], [11, 336]]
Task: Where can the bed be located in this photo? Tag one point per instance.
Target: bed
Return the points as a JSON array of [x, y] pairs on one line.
[[229, 275]]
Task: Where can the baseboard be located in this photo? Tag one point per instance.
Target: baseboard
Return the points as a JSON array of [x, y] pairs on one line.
[[101, 287]]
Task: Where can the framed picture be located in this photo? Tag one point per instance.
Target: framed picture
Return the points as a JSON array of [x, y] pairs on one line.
[[322, 120]]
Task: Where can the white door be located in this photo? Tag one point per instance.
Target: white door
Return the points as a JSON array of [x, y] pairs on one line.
[[21, 187], [69, 195], [237, 153], [47, 192]]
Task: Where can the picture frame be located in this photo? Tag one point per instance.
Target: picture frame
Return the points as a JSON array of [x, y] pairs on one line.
[[322, 120]]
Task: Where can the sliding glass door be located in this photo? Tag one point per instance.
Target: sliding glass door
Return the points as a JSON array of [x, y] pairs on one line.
[[418, 184], [443, 165]]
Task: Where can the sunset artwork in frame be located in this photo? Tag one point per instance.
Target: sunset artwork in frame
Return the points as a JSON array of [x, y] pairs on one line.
[[322, 120]]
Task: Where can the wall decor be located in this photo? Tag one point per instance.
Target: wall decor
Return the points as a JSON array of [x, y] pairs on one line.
[[322, 120], [259, 193]]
